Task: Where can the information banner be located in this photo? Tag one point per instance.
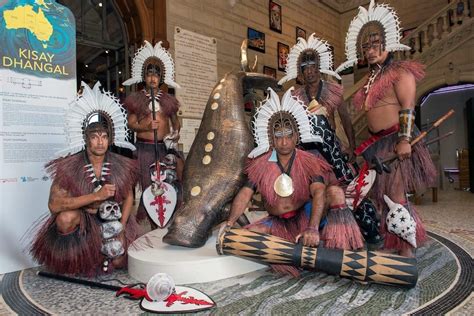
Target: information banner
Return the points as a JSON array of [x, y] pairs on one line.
[[196, 70], [37, 84], [188, 133]]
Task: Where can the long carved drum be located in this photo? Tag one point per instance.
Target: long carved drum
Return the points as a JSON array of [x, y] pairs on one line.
[[369, 266]]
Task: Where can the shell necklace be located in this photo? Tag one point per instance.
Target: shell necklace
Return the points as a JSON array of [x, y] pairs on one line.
[[283, 185], [98, 182], [157, 101]]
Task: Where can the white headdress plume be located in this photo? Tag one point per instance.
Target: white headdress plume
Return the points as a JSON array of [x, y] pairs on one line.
[[90, 102], [143, 54], [321, 48], [381, 13], [272, 106]]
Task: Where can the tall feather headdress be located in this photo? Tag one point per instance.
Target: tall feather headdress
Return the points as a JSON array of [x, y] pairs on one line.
[[146, 53], [271, 107], [320, 47], [381, 14], [90, 103]]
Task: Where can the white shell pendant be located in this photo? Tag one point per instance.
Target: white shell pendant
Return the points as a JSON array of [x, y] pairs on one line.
[[283, 185], [157, 106], [97, 188]]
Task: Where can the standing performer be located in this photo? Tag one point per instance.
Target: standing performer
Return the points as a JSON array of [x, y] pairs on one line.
[[91, 196], [388, 99], [288, 178], [308, 59], [151, 65]]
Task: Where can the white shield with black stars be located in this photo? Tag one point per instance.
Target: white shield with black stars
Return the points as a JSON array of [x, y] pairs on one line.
[[400, 222]]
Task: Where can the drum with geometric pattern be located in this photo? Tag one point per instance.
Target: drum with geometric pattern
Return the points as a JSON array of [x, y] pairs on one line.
[[368, 266]]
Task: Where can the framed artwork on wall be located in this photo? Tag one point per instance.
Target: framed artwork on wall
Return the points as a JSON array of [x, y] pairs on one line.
[[300, 33], [282, 54], [270, 71], [256, 40], [274, 13]]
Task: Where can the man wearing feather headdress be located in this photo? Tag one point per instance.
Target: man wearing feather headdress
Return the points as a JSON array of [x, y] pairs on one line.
[[91, 222], [153, 65], [388, 99], [296, 185], [308, 59]]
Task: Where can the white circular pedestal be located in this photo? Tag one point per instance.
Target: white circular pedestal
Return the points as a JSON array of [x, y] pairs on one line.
[[148, 255]]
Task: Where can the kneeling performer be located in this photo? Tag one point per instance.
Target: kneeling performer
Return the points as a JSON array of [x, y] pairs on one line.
[[294, 184], [90, 225]]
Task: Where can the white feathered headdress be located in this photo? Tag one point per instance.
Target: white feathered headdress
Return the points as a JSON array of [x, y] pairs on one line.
[[386, 17], [271, 107], [94, 102], [322, 50], [143, 56]]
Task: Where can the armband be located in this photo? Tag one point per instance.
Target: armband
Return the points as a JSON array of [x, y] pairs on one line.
[[249, 184], [407, 124], [317, 179]]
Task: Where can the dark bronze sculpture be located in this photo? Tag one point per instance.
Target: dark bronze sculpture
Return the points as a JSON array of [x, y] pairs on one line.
[[213, 171]]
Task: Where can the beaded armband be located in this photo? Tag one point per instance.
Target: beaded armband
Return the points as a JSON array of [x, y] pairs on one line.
[[407, 124]]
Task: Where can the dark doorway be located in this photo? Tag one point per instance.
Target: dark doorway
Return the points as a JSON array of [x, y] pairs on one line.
[[102, 52]]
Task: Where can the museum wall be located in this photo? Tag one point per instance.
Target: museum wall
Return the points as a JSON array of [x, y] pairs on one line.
[[228, 20]]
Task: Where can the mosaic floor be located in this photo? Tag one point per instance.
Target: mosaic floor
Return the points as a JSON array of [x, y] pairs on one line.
[[444, 283]]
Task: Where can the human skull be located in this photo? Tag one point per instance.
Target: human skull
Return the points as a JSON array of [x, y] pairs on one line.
[[170, 160], [170, 176], [153, 172], [167, 170], [112, 248], [110, 210], [111, 229]]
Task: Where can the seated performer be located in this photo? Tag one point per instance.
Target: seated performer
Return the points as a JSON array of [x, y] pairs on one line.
[[91, 225], [388, 99], [288, 178], [151, 65], [308, 59]]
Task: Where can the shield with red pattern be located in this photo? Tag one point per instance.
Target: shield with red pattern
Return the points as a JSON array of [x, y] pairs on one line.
[[184, 300], [360, 187], [160, 207]]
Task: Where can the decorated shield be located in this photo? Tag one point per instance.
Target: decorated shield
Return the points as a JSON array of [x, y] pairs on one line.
[[359, 187], [183, 300], [400, 222], [160, 207]]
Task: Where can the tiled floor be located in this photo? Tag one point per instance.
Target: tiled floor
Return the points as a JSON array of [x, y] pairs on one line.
[[451, 217], [4, 309]]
